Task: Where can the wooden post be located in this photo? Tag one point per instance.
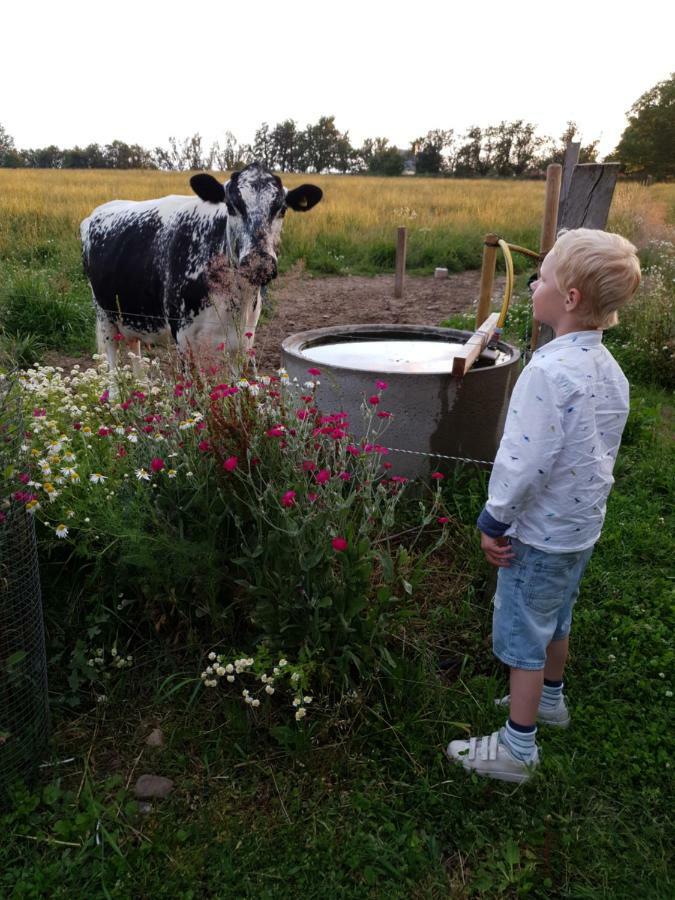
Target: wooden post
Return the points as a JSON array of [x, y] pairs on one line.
[[589, 196], [401, 245], [549, 225], [487, 277]]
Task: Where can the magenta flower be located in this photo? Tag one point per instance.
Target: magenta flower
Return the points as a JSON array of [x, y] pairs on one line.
[[383, 415], [118, 337], [104, 432], [339, 544], [312, 497], [308, 465], [248, 334], [345, 476], [204, 446], [288, 499], [438, 476], [381, 385], [323, 476], [157, 464], [105, 396], [354, 450], [38, 412], [230, 464], [314, 371], [443, 520], [387, 465], [374, 400], [276, 431], [302, 414]]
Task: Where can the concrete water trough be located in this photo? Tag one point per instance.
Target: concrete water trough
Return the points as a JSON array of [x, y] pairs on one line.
[[435, 414]]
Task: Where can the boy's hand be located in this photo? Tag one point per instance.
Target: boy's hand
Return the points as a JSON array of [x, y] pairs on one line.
[[498, 551]]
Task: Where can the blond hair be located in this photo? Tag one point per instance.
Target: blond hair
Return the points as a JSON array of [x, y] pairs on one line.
[[603, 267]]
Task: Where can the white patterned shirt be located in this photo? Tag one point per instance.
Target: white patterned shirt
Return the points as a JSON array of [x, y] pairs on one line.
[[553, 470]]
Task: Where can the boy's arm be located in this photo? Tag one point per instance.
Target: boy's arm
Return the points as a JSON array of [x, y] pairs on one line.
[[532, 439]]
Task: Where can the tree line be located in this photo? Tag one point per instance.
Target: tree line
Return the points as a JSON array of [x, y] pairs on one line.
[[509, 149]]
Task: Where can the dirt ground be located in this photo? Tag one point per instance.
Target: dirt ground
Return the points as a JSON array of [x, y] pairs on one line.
[[298, 302]]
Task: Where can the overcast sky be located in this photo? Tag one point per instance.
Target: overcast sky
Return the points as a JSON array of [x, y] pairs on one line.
[[80, 72]]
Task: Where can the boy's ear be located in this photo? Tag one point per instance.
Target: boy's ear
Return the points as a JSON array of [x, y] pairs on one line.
[[572, 300]]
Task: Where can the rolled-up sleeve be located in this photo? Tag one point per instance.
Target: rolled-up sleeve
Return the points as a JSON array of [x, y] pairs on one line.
[[532, 439]]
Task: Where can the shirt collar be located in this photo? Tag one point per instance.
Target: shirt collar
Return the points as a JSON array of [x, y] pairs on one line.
[[574, 339]]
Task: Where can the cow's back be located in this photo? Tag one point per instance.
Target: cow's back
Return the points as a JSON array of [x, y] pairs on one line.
[[124, 250]]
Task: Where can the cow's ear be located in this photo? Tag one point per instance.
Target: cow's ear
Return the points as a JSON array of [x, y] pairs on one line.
[[207, 188], [304, 197]]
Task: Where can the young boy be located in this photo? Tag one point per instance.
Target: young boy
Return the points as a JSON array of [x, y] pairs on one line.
[[549, 487]]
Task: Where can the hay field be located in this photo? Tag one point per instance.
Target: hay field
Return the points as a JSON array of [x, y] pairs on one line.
[[353, 229]]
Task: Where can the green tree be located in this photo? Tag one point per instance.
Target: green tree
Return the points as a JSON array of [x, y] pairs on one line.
[[9, 155], [648, 141]]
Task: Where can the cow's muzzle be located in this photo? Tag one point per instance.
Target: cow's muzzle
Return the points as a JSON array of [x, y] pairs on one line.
[[258, 268]]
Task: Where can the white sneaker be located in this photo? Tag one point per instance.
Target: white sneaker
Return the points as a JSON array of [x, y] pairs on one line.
[[559, 716], [488, 756]]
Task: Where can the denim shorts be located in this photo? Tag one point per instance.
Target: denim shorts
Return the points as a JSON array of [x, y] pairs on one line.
[[533, 603]]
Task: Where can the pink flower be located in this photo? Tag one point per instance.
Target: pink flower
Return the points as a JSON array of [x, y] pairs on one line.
[[157, 464], [230, 464], [387, 465], [355, 451], [105, 396], [339, 544], [221, 346], [381, 385], [126, 404], [374, 400], [308, 465], [314, 371], [438, 476], [276, 431], [288, 499], [323, 476], [118, 337], [302, 414], [204, 446], [399, 479], [442, 520], [24, 477], [383, 415], [345, 476], [312, 497], [178, 390], [37, 412], [77, 425], [248, 334], [104, 432]]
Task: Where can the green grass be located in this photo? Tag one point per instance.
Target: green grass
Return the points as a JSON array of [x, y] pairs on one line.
[[363, 803]]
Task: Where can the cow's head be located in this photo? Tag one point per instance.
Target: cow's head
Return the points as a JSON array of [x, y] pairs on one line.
[[256, 205]]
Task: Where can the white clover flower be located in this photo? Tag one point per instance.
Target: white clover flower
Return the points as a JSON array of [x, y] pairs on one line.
[[297, 701], [255, 702], [230, 678], [212, 655], [229, 668], [282, 663], [300, 714], [269, 689], [295, 676], [220, 670], [97, 478], [61, 531], [307, 700], [275, 670]]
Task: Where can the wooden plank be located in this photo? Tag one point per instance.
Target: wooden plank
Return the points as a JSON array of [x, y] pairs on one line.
[[465, 358], [487, 278], [569, 162], [590, 195], [401, 245]]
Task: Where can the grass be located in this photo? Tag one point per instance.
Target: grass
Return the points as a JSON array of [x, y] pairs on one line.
[[364, 804]]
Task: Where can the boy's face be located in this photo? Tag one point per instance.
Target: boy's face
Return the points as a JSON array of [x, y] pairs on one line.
[[548, 303]]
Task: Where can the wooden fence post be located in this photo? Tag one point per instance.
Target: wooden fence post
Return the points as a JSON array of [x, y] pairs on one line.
[[401, 246], [548, 226], [487, 277]]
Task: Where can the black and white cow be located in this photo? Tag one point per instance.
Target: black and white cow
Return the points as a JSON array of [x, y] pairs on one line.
[[188, 268]]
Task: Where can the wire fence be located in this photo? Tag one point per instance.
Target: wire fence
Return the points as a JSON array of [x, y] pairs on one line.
[[24, 712]]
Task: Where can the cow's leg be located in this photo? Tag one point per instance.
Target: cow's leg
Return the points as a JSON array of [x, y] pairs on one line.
[[134, 347], [106, 341]]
